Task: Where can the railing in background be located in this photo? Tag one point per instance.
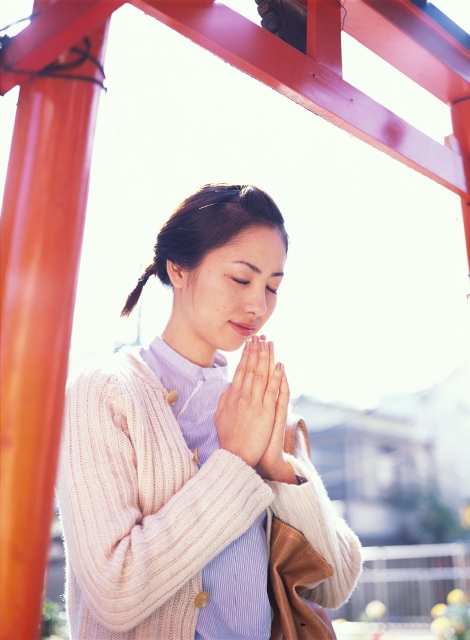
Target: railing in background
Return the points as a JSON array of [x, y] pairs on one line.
[[409, 580]]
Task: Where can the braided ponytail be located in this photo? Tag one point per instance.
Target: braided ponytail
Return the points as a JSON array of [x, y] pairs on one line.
[[133, 297], [210, 218]]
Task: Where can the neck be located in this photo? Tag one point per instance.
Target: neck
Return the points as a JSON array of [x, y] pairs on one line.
[[187, 343]]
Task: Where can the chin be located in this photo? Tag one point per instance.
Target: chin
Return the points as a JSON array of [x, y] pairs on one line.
[[231, 344]]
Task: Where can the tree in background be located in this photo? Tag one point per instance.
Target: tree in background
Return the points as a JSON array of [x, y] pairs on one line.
[[427, 519]]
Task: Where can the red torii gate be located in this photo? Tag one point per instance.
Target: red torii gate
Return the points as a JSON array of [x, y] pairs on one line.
[[47, 184]]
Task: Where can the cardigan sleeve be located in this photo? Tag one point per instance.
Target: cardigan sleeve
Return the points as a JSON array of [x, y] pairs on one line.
[[308, 509], [128, 565]]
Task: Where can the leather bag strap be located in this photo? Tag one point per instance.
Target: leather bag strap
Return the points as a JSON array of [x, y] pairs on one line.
[[294, 567], [295, 423]]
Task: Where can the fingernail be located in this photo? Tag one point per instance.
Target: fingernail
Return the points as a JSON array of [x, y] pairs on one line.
[[247, 345], [262, 345], [279, 366], [255, 339]]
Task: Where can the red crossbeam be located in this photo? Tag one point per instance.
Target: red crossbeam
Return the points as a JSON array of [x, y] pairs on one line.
[[243, 44], [52, 31], [260, 54], [396, 30]]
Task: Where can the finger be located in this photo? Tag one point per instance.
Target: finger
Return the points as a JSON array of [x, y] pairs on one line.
[[272, 361], [273, 387], [251, 365], [262, 373], [280, 417], [282, 406], [239, 374]]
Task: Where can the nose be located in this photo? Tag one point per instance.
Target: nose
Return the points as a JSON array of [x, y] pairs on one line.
[[256, 303]]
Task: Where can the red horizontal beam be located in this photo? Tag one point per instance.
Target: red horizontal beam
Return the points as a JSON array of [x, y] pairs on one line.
[[258, 53], [414, 43], [52, 31]]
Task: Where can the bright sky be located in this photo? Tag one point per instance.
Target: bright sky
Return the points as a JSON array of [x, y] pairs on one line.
[[375, 297]]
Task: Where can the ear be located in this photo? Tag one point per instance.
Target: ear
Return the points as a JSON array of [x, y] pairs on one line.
[[175, 274]]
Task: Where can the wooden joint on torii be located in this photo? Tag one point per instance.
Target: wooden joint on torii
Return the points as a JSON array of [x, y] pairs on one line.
[[325, 21]]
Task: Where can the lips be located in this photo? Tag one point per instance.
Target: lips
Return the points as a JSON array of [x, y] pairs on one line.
[[244, 329]]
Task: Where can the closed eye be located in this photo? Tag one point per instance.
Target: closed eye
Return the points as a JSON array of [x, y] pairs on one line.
[[241, 281], [248, 282]]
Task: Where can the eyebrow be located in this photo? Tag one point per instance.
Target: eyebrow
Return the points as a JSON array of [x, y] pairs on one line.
[[276, 274]]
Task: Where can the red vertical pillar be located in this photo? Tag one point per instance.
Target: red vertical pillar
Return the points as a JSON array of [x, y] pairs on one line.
[[460, 112], [324, 25], [41, 235]]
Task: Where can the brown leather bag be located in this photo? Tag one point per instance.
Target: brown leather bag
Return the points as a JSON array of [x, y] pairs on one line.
[[294, 567]]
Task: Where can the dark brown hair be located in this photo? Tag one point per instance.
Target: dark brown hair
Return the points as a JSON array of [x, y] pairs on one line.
[[210, 218]]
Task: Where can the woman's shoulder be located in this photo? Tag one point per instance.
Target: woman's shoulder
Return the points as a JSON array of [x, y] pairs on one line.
[[124, 370], [118, 390]]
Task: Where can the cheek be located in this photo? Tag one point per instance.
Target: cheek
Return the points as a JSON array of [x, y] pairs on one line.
[[213, 297], [271, 303], [225, 299], [270, 306]]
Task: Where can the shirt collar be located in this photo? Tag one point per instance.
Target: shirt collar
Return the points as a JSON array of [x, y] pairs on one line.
[[188, 369]]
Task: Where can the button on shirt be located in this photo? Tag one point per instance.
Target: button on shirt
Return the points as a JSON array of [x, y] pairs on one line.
[[236, 579]]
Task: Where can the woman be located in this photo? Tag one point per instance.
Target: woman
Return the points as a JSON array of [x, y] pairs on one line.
[[170, 475]]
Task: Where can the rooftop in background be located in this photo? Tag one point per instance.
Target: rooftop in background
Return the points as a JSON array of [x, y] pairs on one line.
[[321, 416]]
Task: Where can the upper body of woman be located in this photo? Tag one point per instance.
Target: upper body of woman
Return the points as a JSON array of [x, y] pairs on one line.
[[169, 475]]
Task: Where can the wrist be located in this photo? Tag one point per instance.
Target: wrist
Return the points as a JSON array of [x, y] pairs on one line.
[[282, 471]]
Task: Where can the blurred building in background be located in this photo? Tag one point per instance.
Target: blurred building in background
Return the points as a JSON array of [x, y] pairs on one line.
[[372, 465], [442, 414], [399, 473]]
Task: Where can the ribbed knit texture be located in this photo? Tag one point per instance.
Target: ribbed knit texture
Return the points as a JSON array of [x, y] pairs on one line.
[[141, 521]]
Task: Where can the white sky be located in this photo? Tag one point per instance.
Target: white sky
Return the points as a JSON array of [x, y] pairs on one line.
[[375, 297]]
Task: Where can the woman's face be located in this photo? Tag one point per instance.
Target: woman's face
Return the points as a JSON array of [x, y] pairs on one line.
[[232, 294]]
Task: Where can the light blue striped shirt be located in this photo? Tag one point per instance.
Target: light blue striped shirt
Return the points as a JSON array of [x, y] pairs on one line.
[[236, 579]]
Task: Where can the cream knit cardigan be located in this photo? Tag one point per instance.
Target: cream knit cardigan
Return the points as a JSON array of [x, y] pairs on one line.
[[141, 520]]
